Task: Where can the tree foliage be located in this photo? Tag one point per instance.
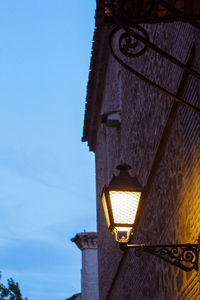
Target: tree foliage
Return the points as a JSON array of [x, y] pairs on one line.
[[12, 292]]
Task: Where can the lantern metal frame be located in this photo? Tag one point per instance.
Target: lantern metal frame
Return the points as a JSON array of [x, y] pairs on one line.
[[121, 183], [113, 225], [184, 256], [133, 41]]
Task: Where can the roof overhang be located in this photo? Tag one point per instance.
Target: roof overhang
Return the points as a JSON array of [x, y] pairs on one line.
[[149, 11]]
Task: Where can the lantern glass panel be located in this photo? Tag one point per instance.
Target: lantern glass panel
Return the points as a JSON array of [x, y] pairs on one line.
[[124, 206], [106, 209]]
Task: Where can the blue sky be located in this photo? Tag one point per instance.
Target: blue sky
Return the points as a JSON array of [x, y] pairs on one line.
[[47, 190]]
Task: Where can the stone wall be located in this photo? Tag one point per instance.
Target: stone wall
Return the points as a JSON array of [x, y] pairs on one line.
[[160, 140]]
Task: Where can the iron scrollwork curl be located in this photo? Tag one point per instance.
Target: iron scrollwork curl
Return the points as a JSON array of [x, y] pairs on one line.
[[188, 256], [128, 42]]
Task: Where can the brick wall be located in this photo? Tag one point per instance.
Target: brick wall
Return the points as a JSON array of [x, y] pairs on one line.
[[171, 207]]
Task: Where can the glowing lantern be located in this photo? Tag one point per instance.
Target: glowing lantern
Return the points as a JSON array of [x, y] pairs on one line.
[[120, 201]]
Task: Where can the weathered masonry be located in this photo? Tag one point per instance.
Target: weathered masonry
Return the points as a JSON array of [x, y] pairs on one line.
[[128, 120]]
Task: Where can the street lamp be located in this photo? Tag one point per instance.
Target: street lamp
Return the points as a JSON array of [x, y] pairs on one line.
[[121, 199]]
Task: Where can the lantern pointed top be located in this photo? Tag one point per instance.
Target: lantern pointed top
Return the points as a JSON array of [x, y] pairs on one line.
[[124, 180]]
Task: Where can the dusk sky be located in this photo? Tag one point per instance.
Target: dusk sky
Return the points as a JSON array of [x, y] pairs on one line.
[[47, 175]]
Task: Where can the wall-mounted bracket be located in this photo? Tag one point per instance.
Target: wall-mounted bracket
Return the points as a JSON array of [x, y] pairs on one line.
[[133, 41], [184, 256]]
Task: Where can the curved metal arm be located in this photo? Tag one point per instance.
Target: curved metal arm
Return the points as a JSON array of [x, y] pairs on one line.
[[142, 77], [129, 42]]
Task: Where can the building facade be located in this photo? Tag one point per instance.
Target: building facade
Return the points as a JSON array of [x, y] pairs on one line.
[[129, 121]]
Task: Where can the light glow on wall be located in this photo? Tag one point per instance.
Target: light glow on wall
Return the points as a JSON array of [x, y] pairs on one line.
[[105, 210]]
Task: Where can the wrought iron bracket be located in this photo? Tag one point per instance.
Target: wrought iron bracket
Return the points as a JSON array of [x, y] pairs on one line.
[[184, 256], [133, 41]]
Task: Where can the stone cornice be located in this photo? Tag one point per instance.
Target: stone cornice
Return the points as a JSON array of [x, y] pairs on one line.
[[75, 296], [85, 240]]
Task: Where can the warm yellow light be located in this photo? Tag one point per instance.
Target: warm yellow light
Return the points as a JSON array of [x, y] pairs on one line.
[[124, 206], [106, 210], [123, 229], [122, 234]]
